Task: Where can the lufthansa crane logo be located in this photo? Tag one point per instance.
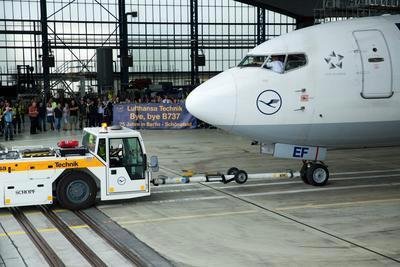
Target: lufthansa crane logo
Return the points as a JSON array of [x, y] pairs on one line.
[[121, 180], [120, 108], [269, 102]]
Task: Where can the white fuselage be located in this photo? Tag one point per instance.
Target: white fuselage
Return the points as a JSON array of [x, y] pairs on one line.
[[347, 94]]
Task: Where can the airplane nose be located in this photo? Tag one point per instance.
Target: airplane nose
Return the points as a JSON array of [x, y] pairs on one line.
[[214, 101]]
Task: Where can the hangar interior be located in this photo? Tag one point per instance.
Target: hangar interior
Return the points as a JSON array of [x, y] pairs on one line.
[[64, 47], [90, 46], [202, 211]]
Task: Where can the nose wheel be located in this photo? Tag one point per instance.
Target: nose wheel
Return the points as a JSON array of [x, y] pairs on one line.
[[314, 173]]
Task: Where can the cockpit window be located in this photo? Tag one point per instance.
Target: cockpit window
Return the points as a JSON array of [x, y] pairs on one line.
[[295, 61], [398, 25], [276, 63], [253, 61]]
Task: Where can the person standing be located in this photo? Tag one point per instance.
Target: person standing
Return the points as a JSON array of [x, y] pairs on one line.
[[8, 122], [18, 111], [108, 113], [58, 114], [33, 116], [82, 114], [73, 111], [23, 108], [50, 115], [2, 109], [42, 117], [100, 113], [66, 114], [92, 113]]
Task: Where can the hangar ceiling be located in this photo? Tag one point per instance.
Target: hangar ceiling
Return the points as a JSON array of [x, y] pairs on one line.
[[303, 10], [296, 9]]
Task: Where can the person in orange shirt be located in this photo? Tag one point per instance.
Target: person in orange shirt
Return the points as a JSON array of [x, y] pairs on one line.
[[33, 116]]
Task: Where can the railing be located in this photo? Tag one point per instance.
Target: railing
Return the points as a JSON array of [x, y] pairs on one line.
[[331, 10], [359, 3], [71, 68]]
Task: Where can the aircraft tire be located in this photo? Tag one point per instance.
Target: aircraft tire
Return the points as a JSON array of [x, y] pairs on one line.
[[317, 174], [303, 173], [76, 190], [241, 177]]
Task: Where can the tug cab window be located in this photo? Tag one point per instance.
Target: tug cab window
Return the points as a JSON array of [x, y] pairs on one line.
[[295, 61], [253, 61], [127, 153], [101, 150], [89, 141]]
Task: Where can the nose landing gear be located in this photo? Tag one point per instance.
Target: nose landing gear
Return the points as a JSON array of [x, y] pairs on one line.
[[314, 173]]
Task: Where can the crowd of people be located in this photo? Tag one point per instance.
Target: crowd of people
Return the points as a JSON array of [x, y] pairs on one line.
[[68, 115], [64, 115]]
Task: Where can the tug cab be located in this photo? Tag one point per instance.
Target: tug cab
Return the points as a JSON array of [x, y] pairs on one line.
[[123, 153]]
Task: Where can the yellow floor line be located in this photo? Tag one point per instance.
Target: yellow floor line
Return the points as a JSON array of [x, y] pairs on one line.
[[316, 206], [50, 230], [42, 230], [188, 217]]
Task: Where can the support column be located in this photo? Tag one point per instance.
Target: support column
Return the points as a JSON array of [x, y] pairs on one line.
[[123, 42], [260, 25], [194, 43], [45, 50]]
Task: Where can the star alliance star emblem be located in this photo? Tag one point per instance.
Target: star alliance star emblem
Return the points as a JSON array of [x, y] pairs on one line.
[[334, 61]]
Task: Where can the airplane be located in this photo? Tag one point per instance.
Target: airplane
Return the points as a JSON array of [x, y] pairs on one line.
[[338, 87]]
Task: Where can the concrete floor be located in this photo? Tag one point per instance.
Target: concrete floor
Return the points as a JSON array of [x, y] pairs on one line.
[[353, 221]]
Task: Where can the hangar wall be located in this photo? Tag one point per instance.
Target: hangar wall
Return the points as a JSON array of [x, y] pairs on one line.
[[159, 38]]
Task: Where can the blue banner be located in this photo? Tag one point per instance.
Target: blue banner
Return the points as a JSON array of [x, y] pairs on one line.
[[153, 116]]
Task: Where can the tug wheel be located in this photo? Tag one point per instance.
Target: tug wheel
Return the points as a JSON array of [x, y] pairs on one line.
[[232, 171], [317, 174], [241, 177], [76, 190]]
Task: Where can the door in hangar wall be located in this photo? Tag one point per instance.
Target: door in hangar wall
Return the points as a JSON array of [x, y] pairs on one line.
[[377, 73]]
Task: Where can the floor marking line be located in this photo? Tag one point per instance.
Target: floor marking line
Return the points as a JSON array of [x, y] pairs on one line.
[[188, 217], [317, 189], [360, 172], [42, 230], [268, 184], [297, 181], [179, 190], [187, 199], [316, 206], [366, 177], [170, 170], [274, 192], [298, 221]]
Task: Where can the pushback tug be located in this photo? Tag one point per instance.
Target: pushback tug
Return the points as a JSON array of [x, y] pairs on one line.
[[111, 164]]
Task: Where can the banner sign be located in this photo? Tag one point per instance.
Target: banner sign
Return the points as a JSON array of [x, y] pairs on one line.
[[153, 116]]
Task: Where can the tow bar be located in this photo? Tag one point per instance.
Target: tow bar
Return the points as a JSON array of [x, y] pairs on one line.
[[233, 174]]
